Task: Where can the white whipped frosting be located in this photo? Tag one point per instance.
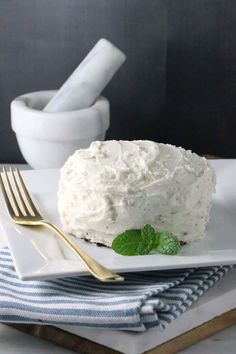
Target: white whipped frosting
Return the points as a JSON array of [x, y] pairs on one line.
[[114, 186]]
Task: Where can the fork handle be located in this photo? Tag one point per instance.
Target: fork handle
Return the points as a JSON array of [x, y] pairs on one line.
[[95, 268]]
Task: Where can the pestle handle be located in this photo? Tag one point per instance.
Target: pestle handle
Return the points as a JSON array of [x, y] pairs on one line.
[[89, 79]]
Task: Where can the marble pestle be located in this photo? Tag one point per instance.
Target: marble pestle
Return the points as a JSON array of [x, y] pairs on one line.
[[88, 80]]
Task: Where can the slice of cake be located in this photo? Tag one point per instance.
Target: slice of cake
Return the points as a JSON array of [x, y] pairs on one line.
[[115, 186]]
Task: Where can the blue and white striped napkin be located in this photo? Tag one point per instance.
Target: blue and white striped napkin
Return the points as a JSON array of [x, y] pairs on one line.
[[143, 301]]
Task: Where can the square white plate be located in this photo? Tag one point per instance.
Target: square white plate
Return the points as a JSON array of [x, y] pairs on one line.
[[39, 254]]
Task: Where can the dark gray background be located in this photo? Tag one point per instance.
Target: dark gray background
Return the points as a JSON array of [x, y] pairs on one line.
[[178, 84]]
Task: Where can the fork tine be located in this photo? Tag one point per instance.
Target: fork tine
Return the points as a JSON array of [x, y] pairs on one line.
[[24, 206], [5, 196], [14, 203], [26, 193]]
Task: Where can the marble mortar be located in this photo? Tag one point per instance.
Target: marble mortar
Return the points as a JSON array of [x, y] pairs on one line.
[[47, 139]]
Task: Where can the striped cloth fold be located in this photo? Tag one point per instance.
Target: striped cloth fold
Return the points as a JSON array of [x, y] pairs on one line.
[[145, 300]]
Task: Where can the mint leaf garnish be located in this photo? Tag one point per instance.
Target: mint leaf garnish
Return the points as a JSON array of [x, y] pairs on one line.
[[148, 232], [148, 239], [132, 243], [142, 242], [168, 243]]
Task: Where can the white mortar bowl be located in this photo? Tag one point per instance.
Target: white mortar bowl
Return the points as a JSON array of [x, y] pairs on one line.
[[46, 139]]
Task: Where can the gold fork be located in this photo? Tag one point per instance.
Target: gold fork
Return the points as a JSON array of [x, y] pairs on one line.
[[23, 211]]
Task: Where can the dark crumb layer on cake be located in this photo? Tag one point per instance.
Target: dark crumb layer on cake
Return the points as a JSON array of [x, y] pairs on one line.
[[95, 243]]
